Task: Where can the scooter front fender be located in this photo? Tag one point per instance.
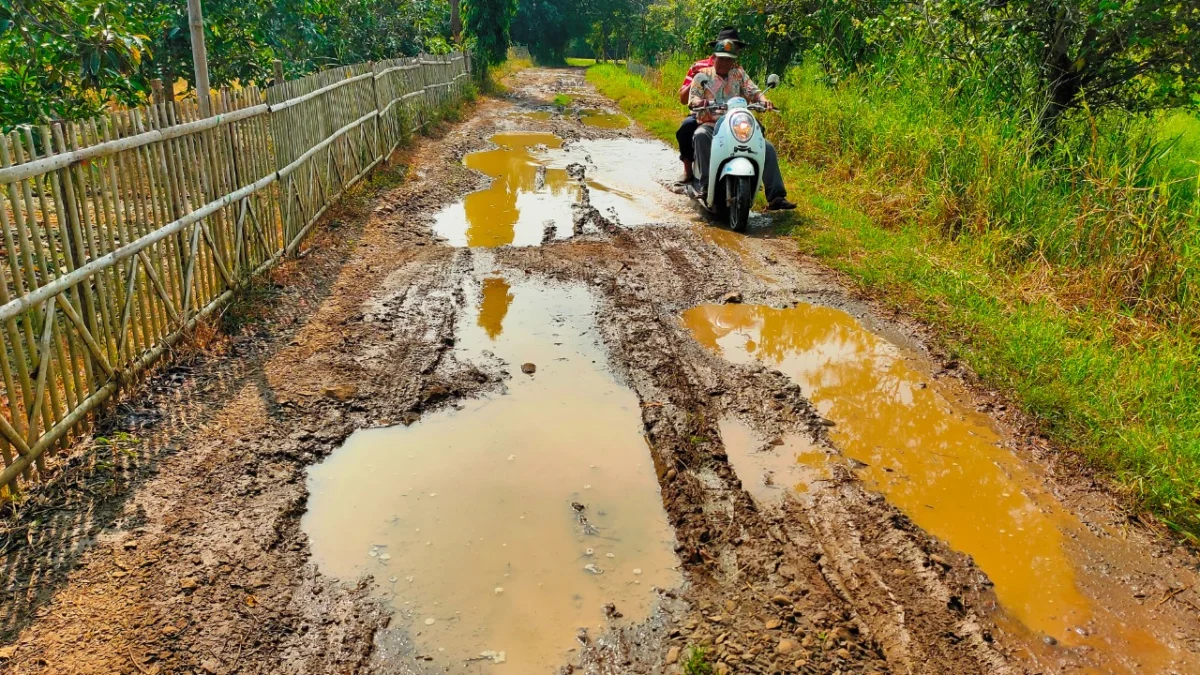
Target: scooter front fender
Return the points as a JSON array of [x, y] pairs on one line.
[[738, 166]]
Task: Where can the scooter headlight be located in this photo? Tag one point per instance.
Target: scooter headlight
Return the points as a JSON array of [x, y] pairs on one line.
[[742, 126]]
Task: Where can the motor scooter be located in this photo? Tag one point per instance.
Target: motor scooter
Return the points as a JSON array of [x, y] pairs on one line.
[[735, 165]]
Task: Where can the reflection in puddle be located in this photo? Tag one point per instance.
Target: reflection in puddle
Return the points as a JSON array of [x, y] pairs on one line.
[[603, 120], [940, 464], [526, 196], [494, 305], [769, 468], [466, 518]]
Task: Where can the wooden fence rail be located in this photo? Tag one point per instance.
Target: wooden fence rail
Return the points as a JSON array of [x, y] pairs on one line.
[[121, 232]]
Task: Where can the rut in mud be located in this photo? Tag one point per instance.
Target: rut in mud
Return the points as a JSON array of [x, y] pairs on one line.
[[529, 414]]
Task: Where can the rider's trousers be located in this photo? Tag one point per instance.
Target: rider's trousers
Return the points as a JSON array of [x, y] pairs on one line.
[[772, 179]]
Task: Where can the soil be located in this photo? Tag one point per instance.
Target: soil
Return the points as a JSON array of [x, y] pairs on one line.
[[182, 552]]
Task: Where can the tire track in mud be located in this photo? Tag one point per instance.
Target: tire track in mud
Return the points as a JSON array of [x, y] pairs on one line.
[[208, 571]]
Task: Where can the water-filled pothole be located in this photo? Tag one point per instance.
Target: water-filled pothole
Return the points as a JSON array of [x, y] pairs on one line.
[[938, 462], [771, 467], [603, 120], [509, 524], [531, 194]]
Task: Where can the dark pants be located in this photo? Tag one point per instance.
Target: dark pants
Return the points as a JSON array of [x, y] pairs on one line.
[[684, 136], [772, 179]]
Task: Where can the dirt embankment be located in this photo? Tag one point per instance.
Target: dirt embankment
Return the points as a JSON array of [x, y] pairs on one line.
[[188, 556]]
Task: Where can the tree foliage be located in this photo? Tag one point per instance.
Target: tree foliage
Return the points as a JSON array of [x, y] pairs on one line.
[[64, 59], [1052, 55], [489, 22]]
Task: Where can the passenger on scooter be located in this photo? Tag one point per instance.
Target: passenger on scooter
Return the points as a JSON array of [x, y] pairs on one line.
[[718, 83], [688, 127]]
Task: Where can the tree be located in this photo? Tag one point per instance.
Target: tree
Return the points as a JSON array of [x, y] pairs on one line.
[[488, 21]]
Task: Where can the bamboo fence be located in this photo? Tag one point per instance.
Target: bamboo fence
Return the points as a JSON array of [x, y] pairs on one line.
[[122, 232]]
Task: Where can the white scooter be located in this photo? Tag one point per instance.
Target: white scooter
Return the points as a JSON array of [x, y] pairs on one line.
[[735, 164]]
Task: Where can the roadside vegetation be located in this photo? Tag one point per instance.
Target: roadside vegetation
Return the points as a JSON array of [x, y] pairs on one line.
[[68, 59], [1051, 236]]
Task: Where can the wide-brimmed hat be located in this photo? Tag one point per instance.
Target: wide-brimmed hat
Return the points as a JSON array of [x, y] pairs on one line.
[[727, 43]]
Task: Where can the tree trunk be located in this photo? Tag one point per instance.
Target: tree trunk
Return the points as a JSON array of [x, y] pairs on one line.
[[455, 22]]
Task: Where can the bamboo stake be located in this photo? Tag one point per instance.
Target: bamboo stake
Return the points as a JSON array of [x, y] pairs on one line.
[[80, 296], [43, 362]]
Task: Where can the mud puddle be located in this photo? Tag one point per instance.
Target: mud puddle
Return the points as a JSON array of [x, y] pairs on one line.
[[603, 120], [908, 437], [530, 197], [771, 468], [496, 531]]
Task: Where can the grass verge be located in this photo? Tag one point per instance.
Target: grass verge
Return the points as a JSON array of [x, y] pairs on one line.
[[1110, 379]]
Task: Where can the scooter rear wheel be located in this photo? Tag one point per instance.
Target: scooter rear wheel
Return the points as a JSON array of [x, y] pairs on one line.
[[741, 198]]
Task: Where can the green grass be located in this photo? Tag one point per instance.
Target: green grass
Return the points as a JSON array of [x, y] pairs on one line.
[[562, 101], [580, 63], [1067, 278], [696, 662]]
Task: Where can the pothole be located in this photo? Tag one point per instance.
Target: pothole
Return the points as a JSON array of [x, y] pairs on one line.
[[770, 468], [942, 465], [498, 530], [530, 198], [603, 120]]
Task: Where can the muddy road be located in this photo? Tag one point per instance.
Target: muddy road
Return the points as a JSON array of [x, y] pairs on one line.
[[526, 412]]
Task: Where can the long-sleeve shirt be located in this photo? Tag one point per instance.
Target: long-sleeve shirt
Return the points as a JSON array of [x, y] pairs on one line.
[[708, 87], [685, 89]]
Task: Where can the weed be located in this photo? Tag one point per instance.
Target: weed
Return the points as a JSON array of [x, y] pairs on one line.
[[562, 101], [696, 662]]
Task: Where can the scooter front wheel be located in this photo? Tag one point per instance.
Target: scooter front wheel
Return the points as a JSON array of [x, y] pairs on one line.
[[741, 197]]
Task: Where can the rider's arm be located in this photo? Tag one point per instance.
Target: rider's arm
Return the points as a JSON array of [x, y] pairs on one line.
[[697, 94], [752, 92], [686, 87]]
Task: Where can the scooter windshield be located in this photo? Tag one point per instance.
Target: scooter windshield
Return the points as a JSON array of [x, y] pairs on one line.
[[736, 102]]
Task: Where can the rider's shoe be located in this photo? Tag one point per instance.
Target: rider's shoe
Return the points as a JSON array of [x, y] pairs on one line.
[[684, 179], [781, 204]]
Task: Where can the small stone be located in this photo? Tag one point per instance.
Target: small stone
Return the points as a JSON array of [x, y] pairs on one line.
[[781, 600], [170, 630], [734, 298], [499, 590], [786, 646], [672, 655], [772, 624], [591, 567], [210, 665], [671, 474], [340, 392], [1049, 639], [723, 668], [430, 621], [938, 560], [385, 556], [528, 369], [189, 583], [637, 570], [843, 653]]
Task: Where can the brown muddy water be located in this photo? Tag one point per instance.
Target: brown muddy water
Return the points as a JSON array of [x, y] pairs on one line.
[[530, 192], [911, 438], [603, 120], [498, 530]]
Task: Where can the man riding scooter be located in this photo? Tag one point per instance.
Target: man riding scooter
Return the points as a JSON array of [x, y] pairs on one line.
[[717, 84]]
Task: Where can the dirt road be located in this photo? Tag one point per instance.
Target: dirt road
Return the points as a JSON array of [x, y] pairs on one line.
[[628, 434]]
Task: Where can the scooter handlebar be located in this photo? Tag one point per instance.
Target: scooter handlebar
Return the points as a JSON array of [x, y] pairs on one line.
[[721, 109]]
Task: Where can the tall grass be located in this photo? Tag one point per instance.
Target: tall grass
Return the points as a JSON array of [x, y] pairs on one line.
[[1066, 272]]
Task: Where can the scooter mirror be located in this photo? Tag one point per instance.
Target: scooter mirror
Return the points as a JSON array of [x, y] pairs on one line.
[[772, 81]]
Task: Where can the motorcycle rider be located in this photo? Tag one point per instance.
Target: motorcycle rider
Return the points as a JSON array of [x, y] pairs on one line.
[[718, 83]]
